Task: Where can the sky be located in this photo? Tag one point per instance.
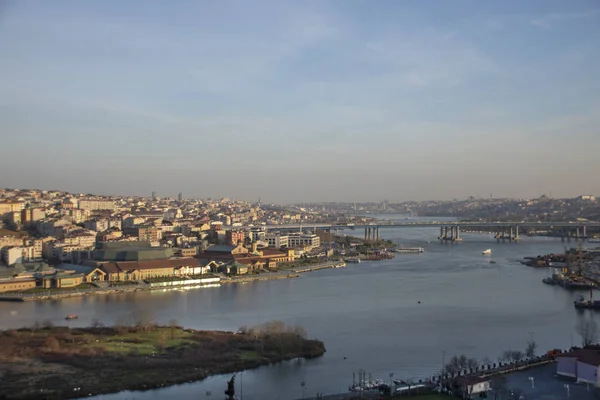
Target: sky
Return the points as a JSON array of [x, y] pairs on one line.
[[293, 101]]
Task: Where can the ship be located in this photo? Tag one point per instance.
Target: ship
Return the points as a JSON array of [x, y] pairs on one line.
[[574, 284], [410, 250], [587, 304]]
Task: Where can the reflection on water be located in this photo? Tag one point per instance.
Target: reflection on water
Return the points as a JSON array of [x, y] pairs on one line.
[[367, 314]]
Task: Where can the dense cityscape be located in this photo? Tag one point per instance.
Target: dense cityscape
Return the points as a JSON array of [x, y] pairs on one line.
[[54, 239]]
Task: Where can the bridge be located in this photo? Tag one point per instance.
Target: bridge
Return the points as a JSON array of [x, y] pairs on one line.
[[450, 230]]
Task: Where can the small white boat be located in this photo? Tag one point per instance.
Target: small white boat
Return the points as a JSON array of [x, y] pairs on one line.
[[487, 252]]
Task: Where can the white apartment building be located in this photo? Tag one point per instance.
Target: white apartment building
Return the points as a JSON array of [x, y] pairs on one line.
[[97, 225], [131, 222], [257, 235], [96, 204], [303, 240], [34, 249], [277, 240], [12, 255], [79, 215], [7, 241], [10, 206], [114, 223]]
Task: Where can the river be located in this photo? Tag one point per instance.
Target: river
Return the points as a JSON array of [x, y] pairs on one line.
[[367, 314]]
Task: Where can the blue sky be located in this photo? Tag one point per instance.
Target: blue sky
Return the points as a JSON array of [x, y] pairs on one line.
[[302, 100]]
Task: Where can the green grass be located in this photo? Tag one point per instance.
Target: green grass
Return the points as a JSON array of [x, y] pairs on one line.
[[249, 356], [148, 342]]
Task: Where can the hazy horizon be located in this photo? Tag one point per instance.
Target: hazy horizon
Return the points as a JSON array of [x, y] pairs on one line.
[[302, 101]]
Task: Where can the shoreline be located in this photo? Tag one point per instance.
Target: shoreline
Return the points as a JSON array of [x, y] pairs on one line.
[[284, 274]]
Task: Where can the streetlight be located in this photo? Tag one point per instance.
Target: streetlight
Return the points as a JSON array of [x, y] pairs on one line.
[[302, 385]]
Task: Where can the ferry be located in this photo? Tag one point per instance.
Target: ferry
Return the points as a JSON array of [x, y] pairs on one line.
[[410, 250]]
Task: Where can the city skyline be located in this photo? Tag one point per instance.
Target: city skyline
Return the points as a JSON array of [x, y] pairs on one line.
[[337, 101]]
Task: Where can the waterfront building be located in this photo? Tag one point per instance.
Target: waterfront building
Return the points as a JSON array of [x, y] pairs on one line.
[[88, 273], [17, 284], [59, 280], [303, 240], [583, 365], [277, 240], [137, 270], [257, 234]]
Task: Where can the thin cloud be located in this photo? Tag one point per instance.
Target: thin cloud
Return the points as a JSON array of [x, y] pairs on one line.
[[548, 20]]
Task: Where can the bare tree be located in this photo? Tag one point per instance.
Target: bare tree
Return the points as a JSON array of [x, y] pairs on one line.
[[35, 326], [121, 325], [460, 363], [530, 349], [161, 341], [143, 319], [517, 355], [173, 327], [588, 330], [511, 356]]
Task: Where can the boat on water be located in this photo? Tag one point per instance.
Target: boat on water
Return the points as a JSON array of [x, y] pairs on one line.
[[410, 250], [591, 304], [492, 262], [487, 252], [573, 284], [366, 385], [72, 316], [550, 280], [352, 260]]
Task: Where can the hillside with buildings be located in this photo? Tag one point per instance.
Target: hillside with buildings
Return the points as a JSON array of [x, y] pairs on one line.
[[58, 240]]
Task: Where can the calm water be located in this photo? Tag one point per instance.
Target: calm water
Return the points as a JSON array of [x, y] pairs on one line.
[[367, 314]]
